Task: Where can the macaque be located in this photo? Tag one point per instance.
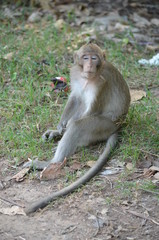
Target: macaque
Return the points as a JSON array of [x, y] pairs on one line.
[[97, 105]]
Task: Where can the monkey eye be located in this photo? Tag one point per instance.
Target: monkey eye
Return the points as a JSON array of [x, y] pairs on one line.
[[94, 57], [85, 57]]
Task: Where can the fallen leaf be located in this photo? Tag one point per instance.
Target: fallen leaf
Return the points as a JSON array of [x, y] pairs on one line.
[[154, 168], [155, 21], [156, 176], [8, 56], [35, 17], [126, 203], [110, 171], [129, 166], [141, 215], [29, 26], [152, 171], [19, 177], [59, 24], [53, 171], [75, 166], [137, 95], [121, 27], [152, 47], [90, 163], [148, 173], [104, 211], [14, 210]]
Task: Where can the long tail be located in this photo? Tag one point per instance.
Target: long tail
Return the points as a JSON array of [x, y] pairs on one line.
[[111, 142]]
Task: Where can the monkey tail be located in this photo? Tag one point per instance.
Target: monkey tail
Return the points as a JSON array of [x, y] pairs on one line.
[[111, 143]]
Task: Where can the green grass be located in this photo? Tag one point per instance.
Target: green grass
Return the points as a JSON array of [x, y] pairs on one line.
[[140, 135], [27, 110], [130, 188]]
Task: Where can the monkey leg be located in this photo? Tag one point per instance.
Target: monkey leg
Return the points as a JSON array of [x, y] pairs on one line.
[[83, 132]]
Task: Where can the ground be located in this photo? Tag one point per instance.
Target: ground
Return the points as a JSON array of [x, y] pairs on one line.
[[100, 210]]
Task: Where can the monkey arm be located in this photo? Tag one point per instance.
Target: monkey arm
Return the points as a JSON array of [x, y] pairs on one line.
[[69, 110]]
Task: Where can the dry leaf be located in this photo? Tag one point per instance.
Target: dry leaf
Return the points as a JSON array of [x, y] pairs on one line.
[[126, 203], [54, 170], [148, 173], [152, 47], [90, 163], [8, 56], [59, 24], [129, 166], [154, 168], [110, 171], [14, 210], [75, 166], [104, 211], [137, 95], [144, 215], [20, 175], [152, 171], [121, 27], [156, 176], [29, 26], [145, 171]]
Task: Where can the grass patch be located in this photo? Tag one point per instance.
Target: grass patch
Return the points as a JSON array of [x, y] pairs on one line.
[[140, 134], [28, 107], [130, 188]]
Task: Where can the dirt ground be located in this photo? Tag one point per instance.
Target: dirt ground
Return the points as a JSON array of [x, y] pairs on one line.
[[99, 210]]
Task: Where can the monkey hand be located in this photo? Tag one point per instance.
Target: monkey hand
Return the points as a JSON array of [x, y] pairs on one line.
[[50, 134], [61, 127], [36, 164]]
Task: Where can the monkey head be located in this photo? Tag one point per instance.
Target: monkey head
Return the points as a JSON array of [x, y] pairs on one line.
[[90, 59]]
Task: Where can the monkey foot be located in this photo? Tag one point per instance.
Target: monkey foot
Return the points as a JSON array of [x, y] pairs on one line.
[[36, 164]]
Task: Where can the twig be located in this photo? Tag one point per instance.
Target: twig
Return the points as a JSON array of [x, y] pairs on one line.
[[153, 154], [10, 202], [69, 229], [146, 190], [144, 217], [118, 211]]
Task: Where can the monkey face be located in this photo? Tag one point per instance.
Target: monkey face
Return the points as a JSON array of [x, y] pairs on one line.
[[90, 63], [90, 58]]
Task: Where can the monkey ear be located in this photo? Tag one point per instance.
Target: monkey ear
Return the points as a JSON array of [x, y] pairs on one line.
[[104, 55]]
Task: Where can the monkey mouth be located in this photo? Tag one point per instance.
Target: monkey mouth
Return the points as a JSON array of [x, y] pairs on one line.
[[88, 74]]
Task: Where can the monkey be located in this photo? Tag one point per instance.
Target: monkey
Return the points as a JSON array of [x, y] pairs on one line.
[[97, 105]]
